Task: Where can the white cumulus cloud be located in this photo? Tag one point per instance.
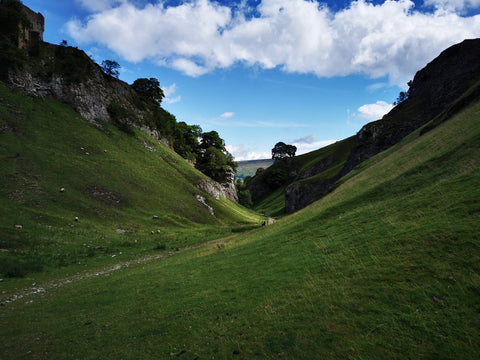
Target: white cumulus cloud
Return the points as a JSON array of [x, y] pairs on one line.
[[309, 143], [240, 152], [308, 139], [374, 111], [303, 36]]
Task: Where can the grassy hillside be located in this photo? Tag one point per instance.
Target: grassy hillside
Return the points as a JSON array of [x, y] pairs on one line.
[[114, 182], [384, 267], [322, 165]]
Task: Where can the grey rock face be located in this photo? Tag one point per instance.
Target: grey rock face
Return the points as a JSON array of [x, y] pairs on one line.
[[225, 189], [432, 91]]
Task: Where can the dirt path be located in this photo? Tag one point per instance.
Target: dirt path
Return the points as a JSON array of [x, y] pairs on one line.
[[7, 299]]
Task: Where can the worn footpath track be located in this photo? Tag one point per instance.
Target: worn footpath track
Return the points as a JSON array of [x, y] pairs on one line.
[[7, 298]]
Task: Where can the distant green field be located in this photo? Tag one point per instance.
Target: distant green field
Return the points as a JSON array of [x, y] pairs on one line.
[[387, 266], [250, 167]]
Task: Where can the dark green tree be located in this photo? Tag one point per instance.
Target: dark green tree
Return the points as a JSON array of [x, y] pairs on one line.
[[402, 96], [213, 158], [110, 67], [245, 198], [149, 89], [212, 162], [282, 150], [165, 122], [186, 141], [277, 175], [212, 138]]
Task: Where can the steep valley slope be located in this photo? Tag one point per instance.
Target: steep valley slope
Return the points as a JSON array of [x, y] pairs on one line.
[[433, 93]]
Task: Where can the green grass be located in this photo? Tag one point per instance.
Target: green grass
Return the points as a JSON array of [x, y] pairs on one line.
[[111, 182], [273, 204], [384, 267]]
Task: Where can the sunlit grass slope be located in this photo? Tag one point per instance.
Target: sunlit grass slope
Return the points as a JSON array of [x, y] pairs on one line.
[[113, 182], [385, 267]]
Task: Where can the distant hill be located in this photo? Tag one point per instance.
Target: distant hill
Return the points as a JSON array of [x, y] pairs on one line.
[[249, 167], [444, 87]]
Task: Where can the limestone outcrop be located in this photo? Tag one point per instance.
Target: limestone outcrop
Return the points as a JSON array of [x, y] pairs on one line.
[[225, 188], [431, 92]]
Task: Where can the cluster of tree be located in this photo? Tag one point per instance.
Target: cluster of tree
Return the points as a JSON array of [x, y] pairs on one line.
[[244, 196], [205, 149], [213, 159], [281, 172]]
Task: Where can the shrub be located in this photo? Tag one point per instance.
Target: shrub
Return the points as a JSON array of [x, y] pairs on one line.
[[121, 117]]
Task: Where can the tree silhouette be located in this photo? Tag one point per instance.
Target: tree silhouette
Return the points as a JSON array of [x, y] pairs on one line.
[[109, 67], [282, 150], [149, 89]]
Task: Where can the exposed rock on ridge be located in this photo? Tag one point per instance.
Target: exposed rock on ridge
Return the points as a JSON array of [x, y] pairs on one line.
[[432, 92], [89, 95]]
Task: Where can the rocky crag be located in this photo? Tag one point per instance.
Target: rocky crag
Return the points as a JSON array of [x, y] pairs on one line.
[[432, 91], [226, 188], [87, 89], [436, 92]]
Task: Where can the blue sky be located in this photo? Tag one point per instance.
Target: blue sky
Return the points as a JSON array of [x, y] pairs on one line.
[[304, 72]]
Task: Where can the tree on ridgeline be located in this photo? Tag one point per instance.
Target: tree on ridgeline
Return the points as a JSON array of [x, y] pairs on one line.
[[149, 89], [282, 151], [403, 95]]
